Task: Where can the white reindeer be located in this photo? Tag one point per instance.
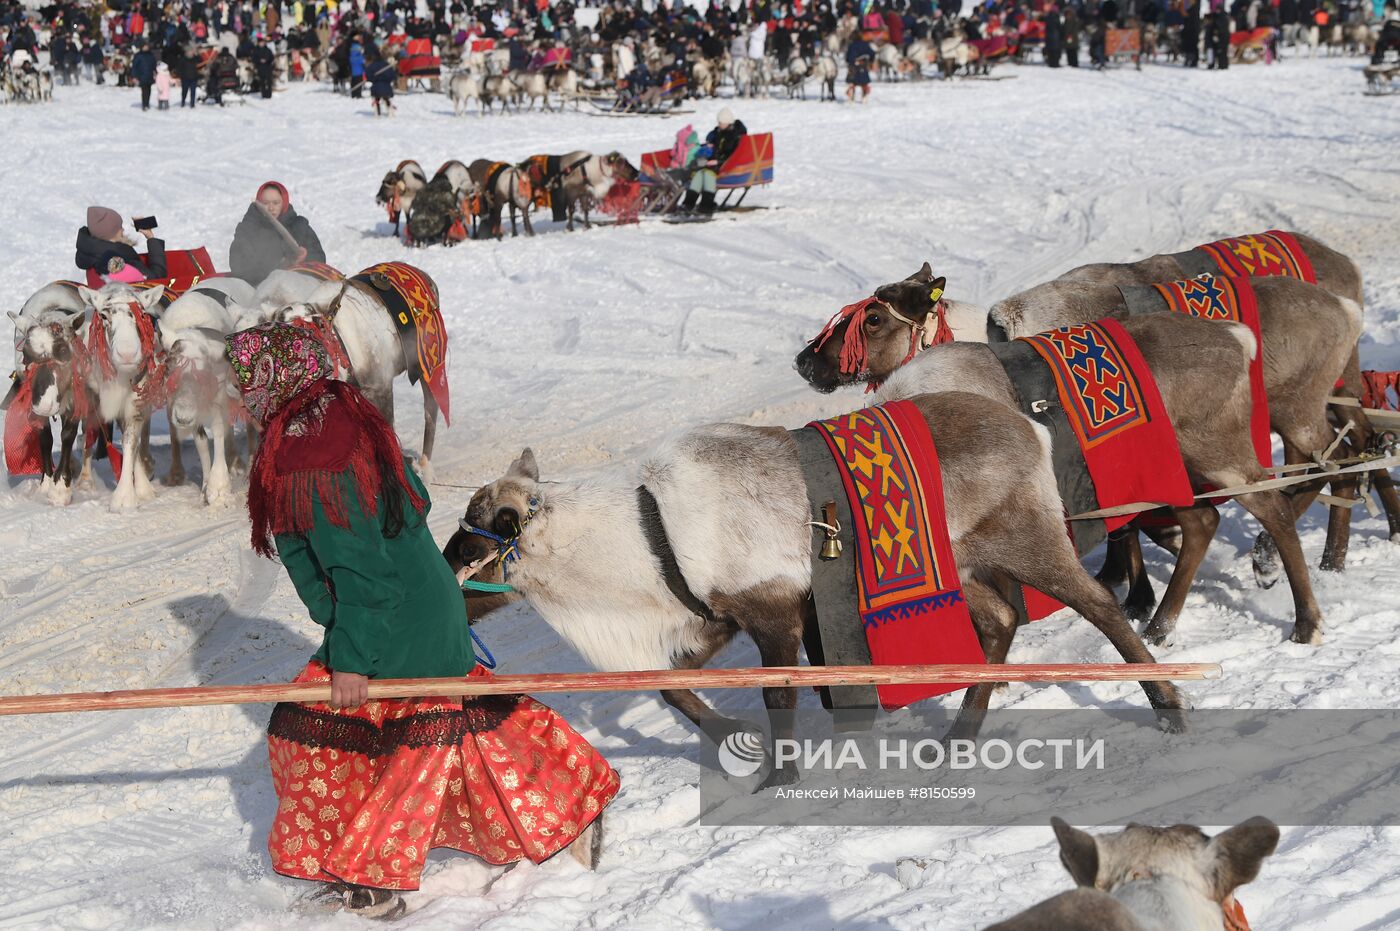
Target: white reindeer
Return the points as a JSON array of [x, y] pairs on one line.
[[463, 88], [200, 383], [826, 71], [532, 85], [1152, 879], [120, 376]]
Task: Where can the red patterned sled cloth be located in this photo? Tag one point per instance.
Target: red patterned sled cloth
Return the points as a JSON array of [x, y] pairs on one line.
[[1380, 390], [412, 299], [1116, 412], [911, 603], [363, 794], [1261, 255], [992, 47], [1223, 297]]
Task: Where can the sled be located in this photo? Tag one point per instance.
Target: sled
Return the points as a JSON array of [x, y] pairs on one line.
[[1382, 79], [615, 107], [419, 66], [184, 269], [750, 166], [1121, 43]]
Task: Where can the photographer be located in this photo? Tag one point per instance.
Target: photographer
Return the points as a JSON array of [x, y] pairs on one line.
[[102, 239]]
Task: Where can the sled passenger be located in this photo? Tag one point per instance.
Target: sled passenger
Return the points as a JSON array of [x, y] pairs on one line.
[[719, 145], [102, 240], [365, 788], [259, 248]]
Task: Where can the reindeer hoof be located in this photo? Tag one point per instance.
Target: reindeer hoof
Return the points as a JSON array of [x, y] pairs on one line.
[[60, 494], [174, 478], [1311, 636], [1265, 559], [1139, 611], [1172, 720], [124, 501], [1157, 637]]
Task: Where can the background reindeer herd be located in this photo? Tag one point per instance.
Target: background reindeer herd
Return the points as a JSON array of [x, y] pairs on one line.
[[460, 199]]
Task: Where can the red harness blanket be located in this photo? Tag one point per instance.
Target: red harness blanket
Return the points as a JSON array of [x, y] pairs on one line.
[[910, 602], [1225, 297], [22, 428], [1261, 255], [1116, 413], [412, 299]]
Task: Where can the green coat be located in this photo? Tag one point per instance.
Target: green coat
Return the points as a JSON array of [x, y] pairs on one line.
[[397, 611]]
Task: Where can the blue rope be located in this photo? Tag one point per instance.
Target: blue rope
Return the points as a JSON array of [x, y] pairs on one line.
[[490, 661]]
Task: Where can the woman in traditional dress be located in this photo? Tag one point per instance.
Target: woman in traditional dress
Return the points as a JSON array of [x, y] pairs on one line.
[[366, 788]]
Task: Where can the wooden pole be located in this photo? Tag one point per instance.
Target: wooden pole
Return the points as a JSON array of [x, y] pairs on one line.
[[776, 676]]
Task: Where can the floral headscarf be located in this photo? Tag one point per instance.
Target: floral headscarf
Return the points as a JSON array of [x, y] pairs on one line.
[[273, 363]]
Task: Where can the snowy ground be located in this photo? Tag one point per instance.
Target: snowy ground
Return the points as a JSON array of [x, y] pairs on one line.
[[590, 346]]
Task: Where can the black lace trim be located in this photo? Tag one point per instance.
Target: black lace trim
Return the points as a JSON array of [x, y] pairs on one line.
[[301, 725], [441, 728], [310, 728]]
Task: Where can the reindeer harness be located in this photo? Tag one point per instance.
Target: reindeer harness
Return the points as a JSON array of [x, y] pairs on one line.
[[507, 548]]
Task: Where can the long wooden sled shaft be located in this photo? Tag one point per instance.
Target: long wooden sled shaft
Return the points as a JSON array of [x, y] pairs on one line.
[[647, 680]]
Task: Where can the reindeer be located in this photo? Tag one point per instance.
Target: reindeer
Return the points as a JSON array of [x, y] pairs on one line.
[[705, 77], [532, 86], [369, 340], [399, 187], [565, 83], [444, 204], [503, 186], [1308, 336], [663, 568], [199, 387], [463, 87], [744, 74], [795, 78], [826, 71], [124, 373], [1194, 363], [1334, 272], [890, 63], [500, 87], [50, 344], [1144, 878], [587, 178]]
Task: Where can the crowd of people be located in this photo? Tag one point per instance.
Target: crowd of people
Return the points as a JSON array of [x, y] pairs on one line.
[[248, 45]]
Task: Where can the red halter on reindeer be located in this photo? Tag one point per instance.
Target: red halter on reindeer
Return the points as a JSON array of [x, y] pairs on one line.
[[931, 331]]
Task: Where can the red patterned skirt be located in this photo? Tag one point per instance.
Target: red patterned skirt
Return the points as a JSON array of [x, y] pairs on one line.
[[363, 794]]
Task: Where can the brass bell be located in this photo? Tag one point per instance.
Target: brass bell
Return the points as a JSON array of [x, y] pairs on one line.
[[831, 546]]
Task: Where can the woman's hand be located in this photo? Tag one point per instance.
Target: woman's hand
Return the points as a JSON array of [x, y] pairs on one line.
[[149, 234], [349, 689], [300, 256]]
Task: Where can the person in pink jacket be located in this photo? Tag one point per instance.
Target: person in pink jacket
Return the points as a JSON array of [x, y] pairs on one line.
[[162, 86]]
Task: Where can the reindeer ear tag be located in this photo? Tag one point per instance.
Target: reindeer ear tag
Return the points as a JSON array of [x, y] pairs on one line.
[[935, 295]]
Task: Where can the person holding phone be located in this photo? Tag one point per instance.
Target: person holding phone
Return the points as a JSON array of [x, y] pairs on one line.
[[270, 236], [103, 239]]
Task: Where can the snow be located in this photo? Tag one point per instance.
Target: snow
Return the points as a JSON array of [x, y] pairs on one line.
[[591, 346]]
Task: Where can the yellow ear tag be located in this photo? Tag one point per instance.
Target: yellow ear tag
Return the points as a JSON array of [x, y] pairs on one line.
[[935, 294]]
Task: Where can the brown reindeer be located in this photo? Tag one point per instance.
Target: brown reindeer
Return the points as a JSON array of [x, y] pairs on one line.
[[577, 181], [1335, 273], [399, 187], [715, 541], [503, 186], [1193, 362], [1308, 334]]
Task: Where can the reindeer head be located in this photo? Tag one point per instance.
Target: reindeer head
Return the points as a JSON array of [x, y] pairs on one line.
[[390, 188], [115, 311], [619, 167], [1212, 866], [298, 310], [884, 341], [46, 345], [501, 508], [199, 377]]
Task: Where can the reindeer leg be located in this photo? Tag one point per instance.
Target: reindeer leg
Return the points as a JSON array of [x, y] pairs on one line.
[[201, 449], [176, 476], [1274, 512], [124, 497], [216, 482], [1141, 598], [995, 622], [1114, 570], [145, 465], [62, 491], [1053, 569], [525, 219], [711, 723], [46, 455], [430, 416], [1198, 526]]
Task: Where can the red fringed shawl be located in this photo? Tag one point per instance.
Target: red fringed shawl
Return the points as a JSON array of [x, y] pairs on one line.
[[297, 465]]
